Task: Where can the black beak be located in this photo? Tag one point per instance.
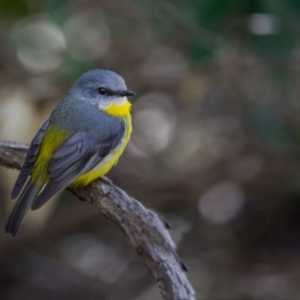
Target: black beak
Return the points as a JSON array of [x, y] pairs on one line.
[[127, 93]]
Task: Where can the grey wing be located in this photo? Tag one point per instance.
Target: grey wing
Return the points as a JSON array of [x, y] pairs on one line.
[[77, 155], [29, 161]]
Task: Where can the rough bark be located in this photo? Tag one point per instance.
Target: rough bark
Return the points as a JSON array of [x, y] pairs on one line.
[[146, 231]]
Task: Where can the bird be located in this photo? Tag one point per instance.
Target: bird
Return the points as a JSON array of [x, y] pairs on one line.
[[81, 141]]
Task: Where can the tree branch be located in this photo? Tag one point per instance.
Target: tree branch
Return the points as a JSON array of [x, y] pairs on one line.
[[145, 230]]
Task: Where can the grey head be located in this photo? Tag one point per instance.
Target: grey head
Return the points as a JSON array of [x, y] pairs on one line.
[[100, 88]]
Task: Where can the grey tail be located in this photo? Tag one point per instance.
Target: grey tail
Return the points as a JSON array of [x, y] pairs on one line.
[[15, 220]]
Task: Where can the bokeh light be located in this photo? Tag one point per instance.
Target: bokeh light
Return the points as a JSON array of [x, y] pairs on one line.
[[214, 149], [92, 32], [222, 202], [40, 44]]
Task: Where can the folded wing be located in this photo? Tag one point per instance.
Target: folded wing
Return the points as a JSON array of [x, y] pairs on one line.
[[76, 156], [29, 161]]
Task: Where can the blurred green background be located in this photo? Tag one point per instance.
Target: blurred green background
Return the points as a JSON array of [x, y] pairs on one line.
[[215, 146]]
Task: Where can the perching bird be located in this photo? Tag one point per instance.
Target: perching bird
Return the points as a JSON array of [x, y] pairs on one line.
[[80, 142]]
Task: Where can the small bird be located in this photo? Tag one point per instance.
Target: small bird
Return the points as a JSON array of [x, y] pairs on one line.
[[81, 141]]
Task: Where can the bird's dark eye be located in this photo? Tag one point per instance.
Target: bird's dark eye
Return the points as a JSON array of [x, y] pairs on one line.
[[102, 90]]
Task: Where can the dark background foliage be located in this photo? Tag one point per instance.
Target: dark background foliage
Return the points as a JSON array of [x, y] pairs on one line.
[[215, 146]]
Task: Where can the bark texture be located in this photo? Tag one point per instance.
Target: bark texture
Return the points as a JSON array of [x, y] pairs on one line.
[[146, 231]]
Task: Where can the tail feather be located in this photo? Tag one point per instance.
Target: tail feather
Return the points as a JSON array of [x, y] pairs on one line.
[[15, 220], [21, 181]]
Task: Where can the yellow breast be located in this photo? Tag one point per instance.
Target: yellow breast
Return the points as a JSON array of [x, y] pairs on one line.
[[119, 110], [122, 111]]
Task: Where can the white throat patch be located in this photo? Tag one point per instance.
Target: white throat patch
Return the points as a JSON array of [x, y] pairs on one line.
[[117, 101]]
